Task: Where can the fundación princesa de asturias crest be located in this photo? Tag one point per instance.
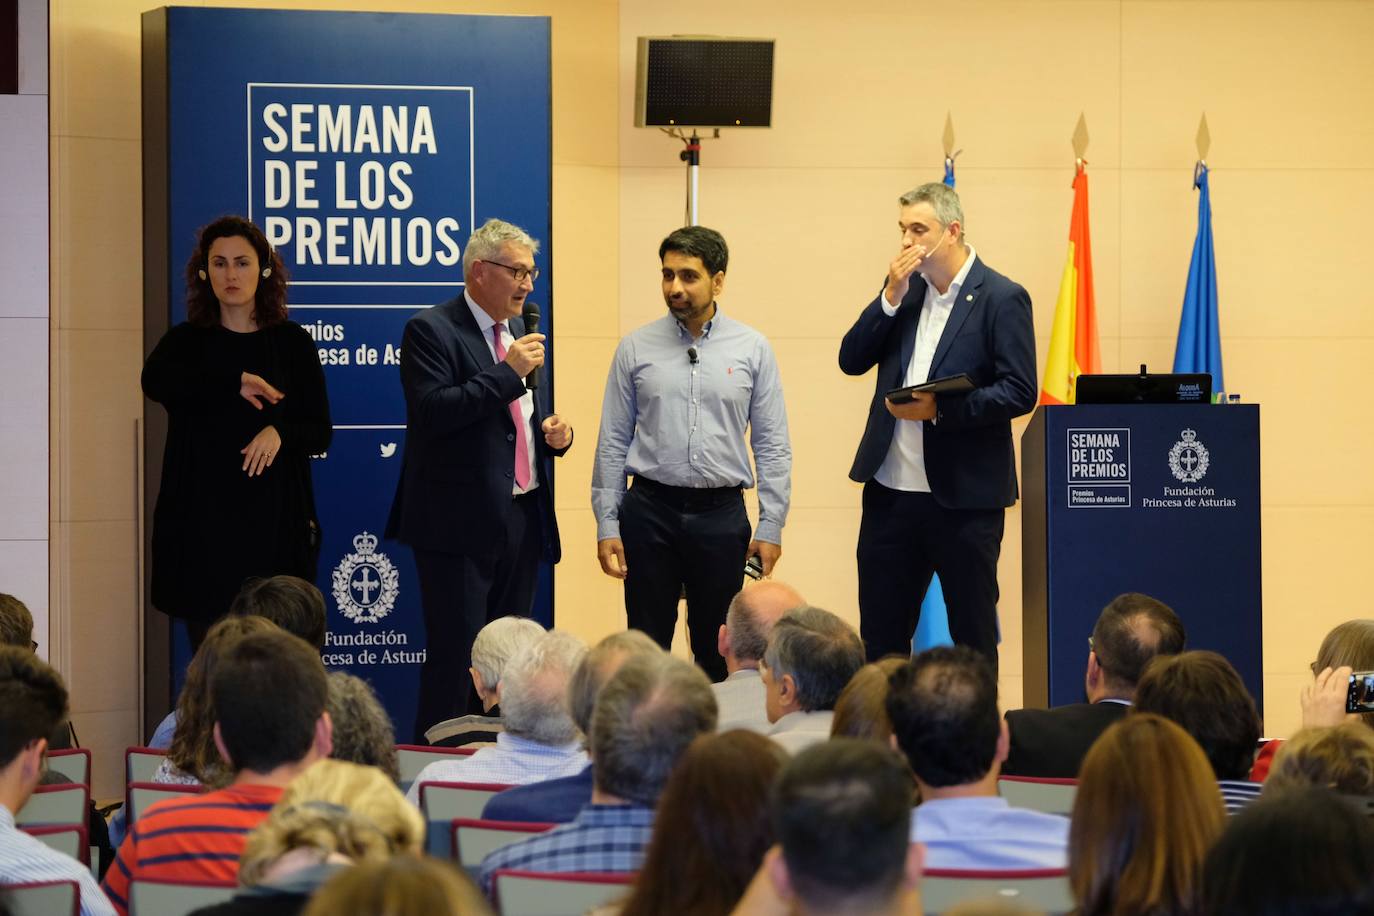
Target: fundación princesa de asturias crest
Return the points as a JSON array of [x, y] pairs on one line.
[[365, 582], [1188, 459]]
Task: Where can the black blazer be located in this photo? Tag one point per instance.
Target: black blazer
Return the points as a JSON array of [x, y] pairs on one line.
[[968, 450], [1053, 742], [458, 466]]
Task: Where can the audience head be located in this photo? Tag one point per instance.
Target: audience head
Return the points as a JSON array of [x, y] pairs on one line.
[[645, 717], [842, 812], [362, 730], [711, 829], [1307, 852], [1350, 644], [1146, 812], [1339, 758], [400, 886], [193, 749], [496, 644], [16, 623], [943, 707], [811, 656], [861, 710], [743, 638], [33, 700], [1130, 631], [269, 693], [597, 667], [332, 809], [1202, 692], [290, 602], [534, 685]]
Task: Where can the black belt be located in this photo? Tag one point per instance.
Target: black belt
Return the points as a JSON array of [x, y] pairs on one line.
[[683, 498]]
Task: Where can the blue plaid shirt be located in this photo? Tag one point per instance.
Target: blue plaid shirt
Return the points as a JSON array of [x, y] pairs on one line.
[[600, 838]]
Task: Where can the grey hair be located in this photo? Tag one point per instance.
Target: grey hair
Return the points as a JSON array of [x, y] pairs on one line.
[[819, 650], [363, 732], [646, 716], [942, 199], [485, 242], [748, 636], [533, 687], [497, 642], [597, 667]]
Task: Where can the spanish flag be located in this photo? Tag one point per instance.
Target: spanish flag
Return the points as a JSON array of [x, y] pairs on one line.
[[1073, 341]]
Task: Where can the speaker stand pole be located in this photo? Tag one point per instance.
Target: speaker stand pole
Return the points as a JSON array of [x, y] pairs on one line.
[[692, 156]]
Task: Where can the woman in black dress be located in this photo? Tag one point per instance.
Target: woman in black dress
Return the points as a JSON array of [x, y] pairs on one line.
[[246, 408]]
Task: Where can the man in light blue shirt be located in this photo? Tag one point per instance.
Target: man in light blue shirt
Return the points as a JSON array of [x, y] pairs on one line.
[[943, 707], [683, 395]]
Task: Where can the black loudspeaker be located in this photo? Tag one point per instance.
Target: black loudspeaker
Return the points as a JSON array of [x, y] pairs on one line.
[[704, 82]]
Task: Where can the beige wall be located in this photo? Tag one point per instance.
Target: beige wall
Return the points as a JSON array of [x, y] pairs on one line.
[[861, 97]]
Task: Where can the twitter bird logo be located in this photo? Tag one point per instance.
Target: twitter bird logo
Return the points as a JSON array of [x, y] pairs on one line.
[[388, 449]]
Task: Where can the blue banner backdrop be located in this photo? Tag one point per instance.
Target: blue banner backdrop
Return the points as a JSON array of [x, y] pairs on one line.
[[367, 146]]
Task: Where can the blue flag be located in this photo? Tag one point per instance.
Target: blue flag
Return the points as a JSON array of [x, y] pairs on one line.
[[1199, 327], [933, 627]]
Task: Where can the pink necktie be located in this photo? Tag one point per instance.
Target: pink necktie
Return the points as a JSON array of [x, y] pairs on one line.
[[522, 449]]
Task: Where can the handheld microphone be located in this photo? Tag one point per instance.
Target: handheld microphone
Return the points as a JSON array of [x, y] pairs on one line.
[[530, 316], [692, 355]]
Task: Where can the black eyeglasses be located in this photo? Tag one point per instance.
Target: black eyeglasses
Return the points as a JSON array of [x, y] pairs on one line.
[[519, 273]]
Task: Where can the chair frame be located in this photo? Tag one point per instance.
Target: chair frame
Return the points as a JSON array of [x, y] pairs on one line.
[[171, 787], [533, 828], [492, 787], [34, 885], [625, 878], [72, 752], [84, 817], [82, 831]]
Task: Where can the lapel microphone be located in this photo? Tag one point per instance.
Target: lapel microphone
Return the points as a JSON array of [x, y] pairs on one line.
[[692, 355], [530, 316]]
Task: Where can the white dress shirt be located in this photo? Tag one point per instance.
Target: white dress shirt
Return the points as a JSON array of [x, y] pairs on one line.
[[485, 323], [904, 468]]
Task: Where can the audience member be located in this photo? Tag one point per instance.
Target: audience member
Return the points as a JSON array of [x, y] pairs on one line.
[[861, 710], [400, 886], [943, 707], [290, 602], [1146, 812], [811, 656], [1301, 853], [193, 756], [557, 801], [16, 629], [1340, 758], [712, 827], [362, 729], [1348, 648], [496, 644], [842, 812], [646, 716], [742, 640], [268, 698], [332, 816], [1130, 631], [539, 740], [33, 701], [1202, 692]]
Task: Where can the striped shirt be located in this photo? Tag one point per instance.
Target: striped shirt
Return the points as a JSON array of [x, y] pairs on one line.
[[1237, 793], [26, 860], [514, 761], [601, 838], [197, 838]]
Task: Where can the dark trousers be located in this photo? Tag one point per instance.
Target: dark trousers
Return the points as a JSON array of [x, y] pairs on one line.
[[677, 539], [460, 594], [903, 539]]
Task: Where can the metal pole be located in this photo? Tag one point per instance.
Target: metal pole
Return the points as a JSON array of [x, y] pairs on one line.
[[692, 156]]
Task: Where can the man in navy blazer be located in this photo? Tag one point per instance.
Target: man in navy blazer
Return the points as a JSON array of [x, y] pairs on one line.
[[938, 471], [474, 500]]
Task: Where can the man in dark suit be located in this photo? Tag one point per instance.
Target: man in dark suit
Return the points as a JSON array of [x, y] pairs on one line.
[[474, 500], [939, 470], [1130, 631]]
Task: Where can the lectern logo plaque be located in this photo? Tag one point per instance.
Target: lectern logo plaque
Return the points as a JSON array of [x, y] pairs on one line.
[[1189, 458]]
